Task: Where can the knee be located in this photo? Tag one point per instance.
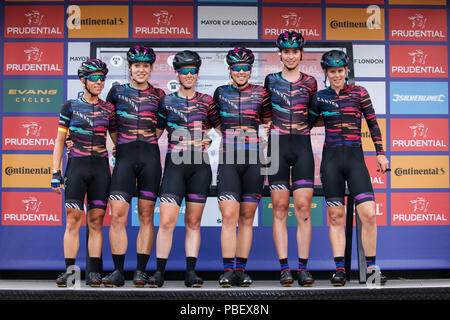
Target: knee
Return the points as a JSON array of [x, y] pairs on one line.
[[369, 219], [303, 210], [118, 220], [73, 220], [192, 224], [146, 216], [336, 216], [246, 220], [280, 210]]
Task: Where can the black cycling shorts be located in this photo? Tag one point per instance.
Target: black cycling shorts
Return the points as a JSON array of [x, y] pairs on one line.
[[296, 161], [345, 164], [190, 181], [87, 175], [137, 171], [240, 182]]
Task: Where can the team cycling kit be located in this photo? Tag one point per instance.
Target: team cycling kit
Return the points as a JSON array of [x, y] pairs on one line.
[[186, 121], [290, 103], [137, 151], [240, 179], [87, 169], [343, 157]]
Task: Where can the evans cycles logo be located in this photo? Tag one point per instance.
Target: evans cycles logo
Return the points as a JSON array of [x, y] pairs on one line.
[[34, 21], [32, 57], [419, 209], [306, 21], [31, 208], [426, 61], [418, 24], [163, 21]]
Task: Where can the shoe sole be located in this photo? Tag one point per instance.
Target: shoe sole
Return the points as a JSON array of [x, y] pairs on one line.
[[113, 285], [338, 284], [225, 285]]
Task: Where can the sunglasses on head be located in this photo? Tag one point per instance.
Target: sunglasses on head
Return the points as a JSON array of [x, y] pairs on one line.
[[238, 68], [96, 77], [186, 71]]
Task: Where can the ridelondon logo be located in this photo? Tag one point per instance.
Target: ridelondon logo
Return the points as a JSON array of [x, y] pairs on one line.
[[306, 21], [31, 208], [419, 134], [34, 21], [418, 24], [423, 61], [163, 21], [37, 58], [420, 209]]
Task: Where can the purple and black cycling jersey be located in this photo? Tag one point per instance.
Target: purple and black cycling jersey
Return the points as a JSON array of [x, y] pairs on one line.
[[136, 112], [87, 124], [242, 109], [290, 101], [342, 115], [177, 113]]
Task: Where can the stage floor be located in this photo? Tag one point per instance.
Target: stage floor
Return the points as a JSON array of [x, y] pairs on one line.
[[425, 289]]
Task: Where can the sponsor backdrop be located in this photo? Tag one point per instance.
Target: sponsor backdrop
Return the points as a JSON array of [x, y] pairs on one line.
[[400, 54]]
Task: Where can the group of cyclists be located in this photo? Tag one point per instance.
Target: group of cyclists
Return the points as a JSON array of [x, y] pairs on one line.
[[136, 114]]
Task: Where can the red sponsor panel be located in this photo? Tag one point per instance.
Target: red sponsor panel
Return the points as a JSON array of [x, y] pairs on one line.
[[419, 209], [423, 61], [306, 21], [380, 210], [31, 208], [163, 22], [418, 24], [419, 135], [377, 178], [36, 58], [356, 1], [293, 1], [29, 133], [34, 22]]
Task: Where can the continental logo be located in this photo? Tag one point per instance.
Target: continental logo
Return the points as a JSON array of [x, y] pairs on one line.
[[97, 21], [26, 171], [355, 23], [420, 171]]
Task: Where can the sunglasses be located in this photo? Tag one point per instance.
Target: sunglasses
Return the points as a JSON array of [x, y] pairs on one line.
[[186, 71], [238, 68], [96, 77]]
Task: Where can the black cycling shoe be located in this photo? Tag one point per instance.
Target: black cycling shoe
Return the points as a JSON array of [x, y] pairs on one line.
[[305, 279], [226, 279], [156, 280], [61, 281], [242, 279], [338, 279], [94, 279], [286, 278], [114, 279], [140, 278], [193, 280], [375, 277]]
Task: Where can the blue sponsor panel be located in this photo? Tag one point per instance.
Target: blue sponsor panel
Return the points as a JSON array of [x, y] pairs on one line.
[[418, 97]]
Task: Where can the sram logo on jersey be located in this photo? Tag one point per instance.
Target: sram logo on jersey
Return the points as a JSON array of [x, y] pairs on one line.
[[418, 61], [418, 24], [34, 21], [38, 58]]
